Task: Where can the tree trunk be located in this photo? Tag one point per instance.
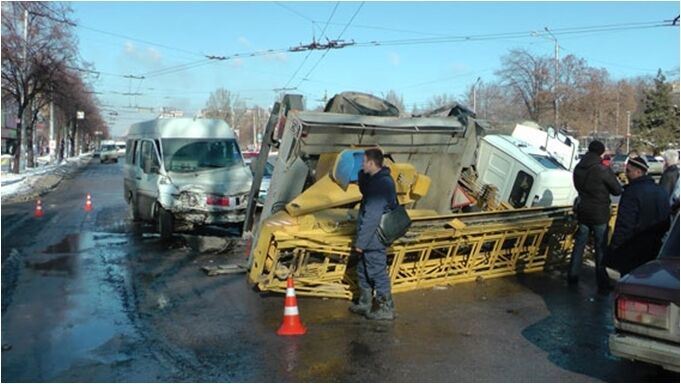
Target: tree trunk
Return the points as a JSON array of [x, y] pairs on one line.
[[72, 140], [29, 145], [17, 150]]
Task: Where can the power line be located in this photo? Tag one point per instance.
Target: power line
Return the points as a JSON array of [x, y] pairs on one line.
[[507, 35], [330, 17], [328, 49], [285, 87], [297, 13]]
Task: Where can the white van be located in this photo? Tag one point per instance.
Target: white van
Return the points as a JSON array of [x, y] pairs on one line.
[[184, 173], [525, 176]]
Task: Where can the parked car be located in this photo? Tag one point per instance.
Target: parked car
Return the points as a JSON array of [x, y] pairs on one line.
[[266, 178], [618, 163], [655, 166], [120, 148], [646, 312]]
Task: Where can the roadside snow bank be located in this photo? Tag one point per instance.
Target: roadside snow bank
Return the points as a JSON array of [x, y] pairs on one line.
[[36, 181]]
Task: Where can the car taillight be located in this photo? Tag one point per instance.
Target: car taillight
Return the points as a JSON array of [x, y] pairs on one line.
[[215, 200], [642, 312]]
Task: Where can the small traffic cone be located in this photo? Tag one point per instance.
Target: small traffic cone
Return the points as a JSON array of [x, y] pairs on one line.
[[38, 208], [291, 326], [88, 203]]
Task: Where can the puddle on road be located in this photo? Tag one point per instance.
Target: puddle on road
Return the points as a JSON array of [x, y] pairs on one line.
[[69, 244], [71, 316], [64, 263]]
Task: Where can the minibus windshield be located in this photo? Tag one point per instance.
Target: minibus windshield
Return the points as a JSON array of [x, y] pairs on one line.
[[191, 155]]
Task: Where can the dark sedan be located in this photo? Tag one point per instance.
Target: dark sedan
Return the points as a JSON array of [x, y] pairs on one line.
[[647, 309]]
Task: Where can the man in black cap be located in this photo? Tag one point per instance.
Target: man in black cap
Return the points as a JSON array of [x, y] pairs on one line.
[[595, 183], [642, 219]]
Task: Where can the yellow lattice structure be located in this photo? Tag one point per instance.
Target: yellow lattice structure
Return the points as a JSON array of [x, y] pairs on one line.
[[438, 250]]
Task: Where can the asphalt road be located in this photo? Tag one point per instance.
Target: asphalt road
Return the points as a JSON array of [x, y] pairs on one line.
[[93, 297]]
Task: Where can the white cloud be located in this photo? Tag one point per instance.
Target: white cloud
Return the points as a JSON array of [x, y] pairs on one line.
[[236, 63], [394, 58], [281, 57], [153, 55], [244, 41], [129, 47], [148, 56]]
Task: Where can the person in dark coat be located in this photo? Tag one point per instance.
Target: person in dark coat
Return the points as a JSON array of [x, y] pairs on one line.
[[378, 197], [594, 183], [642, 219], [671, 170]]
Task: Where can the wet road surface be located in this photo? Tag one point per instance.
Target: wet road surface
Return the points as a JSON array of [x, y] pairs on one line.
[[93, 297]]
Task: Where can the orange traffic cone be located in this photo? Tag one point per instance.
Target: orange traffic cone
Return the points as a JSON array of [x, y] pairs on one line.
[[291, 326], [88, 203], [38, 208]]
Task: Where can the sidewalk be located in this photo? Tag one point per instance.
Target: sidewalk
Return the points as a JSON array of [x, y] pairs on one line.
[[36, 181]]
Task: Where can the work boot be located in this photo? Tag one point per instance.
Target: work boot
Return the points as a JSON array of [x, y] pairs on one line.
[[385, 309], [363, 305]]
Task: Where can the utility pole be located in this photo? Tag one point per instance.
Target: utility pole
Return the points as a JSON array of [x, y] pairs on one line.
[[255, 138], [22, 144], [628, 128], [556, 57], [52, 143], [475, 94]]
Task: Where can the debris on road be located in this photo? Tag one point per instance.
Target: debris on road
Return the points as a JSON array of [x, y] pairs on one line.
[[224, 269]]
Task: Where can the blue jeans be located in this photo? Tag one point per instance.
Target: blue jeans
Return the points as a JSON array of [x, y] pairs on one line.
[[600, 232], [372, 272]]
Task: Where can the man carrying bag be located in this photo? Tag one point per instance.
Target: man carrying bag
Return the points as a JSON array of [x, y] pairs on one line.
[[378, 198]]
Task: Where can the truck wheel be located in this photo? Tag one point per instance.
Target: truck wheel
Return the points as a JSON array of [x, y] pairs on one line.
[[165, 224]]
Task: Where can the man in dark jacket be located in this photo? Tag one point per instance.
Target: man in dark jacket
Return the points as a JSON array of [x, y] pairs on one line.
[[594, 183], [642, 219], [378, 197]]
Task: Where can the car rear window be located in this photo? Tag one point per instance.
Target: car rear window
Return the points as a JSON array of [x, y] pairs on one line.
[[670, 248]]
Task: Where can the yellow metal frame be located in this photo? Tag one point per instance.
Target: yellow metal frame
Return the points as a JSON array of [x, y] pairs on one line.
[[438, 250]]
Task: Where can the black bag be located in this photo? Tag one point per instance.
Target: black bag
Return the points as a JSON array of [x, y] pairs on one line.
[[393, 225]]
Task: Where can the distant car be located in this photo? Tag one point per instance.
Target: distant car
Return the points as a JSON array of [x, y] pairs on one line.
[[108, 153], [646, 313], [266, 178], [655, 166], [618, 163], [120, 148], [96, 153]]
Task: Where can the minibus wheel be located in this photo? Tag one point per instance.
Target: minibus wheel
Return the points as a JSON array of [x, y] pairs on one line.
[[165, 224]]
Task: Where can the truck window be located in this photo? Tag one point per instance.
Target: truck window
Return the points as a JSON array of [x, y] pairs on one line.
[[521, 189]]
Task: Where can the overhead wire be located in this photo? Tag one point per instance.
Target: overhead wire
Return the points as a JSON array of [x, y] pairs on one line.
[[293, 76], [340, 35]]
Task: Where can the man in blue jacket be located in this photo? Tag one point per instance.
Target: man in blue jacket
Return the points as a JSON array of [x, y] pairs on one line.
[[642, 219], [378, 197]]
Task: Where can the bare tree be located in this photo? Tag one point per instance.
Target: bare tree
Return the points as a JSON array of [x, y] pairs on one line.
[[36, 38], [397, 100], [221, 104], [529, 77]]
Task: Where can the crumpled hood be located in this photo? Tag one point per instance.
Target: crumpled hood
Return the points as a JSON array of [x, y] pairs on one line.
[[222, 181]]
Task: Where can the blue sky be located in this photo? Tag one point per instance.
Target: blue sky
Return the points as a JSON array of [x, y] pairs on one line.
[[181, 32]]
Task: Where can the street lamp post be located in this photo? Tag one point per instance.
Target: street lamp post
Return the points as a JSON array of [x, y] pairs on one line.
[[475, 94]]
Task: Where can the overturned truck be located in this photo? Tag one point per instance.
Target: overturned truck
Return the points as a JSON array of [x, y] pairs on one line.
[[307, 224]]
